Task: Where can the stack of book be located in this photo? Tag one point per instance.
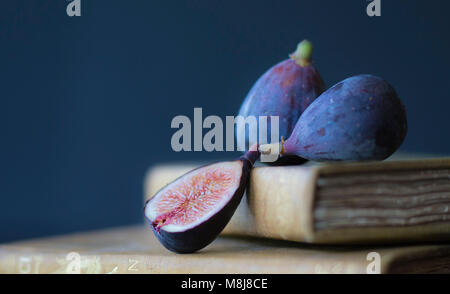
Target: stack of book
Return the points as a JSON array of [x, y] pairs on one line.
[[374, 217]]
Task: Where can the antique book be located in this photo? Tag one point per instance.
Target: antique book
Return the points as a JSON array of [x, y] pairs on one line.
[[135, 250], [397, 200]]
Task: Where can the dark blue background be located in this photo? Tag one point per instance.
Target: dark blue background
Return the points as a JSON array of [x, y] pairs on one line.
[[86, 102]]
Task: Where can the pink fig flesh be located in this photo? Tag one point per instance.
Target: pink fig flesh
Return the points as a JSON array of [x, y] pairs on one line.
[[189, 213]]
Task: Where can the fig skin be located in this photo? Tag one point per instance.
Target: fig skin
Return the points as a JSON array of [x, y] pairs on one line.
[[204, 233], [360, 118], [285, 90]]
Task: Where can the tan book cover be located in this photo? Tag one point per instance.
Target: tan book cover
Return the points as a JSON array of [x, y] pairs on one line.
[[135, 250], [371, 202]]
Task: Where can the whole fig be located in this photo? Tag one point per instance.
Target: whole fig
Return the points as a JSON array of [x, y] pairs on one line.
[[360, 118], [285, 90]]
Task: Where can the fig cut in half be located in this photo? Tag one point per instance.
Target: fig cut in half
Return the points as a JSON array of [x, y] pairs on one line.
[[189, 213]]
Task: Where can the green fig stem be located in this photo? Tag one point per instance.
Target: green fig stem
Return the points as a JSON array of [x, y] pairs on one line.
[[303, 53], [267, 148]]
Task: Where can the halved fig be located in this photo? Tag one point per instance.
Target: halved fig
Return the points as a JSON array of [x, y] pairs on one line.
[[189, 213]]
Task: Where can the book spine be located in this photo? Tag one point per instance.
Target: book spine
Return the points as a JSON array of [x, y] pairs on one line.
[[22, 261], [19, 261]]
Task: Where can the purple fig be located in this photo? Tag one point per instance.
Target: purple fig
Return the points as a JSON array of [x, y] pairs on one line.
[[285, 90], [189, 213], [360, 118]]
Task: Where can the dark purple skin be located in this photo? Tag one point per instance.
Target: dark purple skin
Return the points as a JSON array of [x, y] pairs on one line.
[[360, 118], [202, 235], [285, 90]]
